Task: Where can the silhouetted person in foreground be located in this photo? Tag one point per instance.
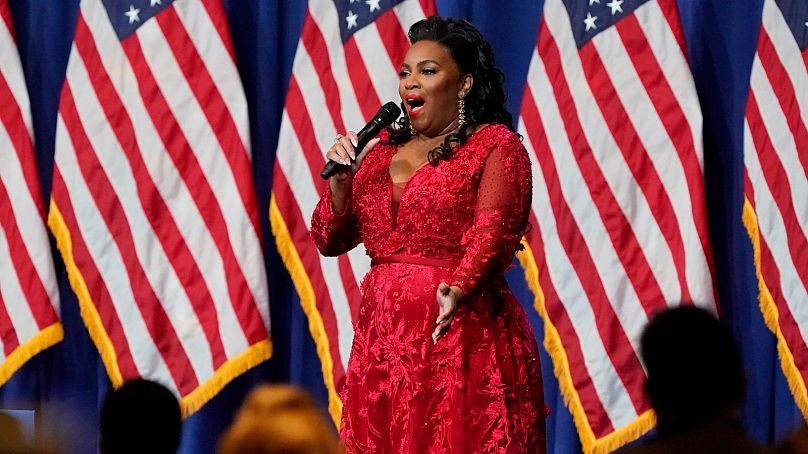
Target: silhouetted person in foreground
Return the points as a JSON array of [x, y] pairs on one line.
[[279, 419], [140, 417], [695, 384], [12, 440], [795, 443]]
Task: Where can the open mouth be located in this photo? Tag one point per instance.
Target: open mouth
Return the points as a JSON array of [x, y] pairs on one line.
[[414, 104]]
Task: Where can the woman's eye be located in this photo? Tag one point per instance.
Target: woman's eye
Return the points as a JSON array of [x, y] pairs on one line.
[[403, 74], [428, 71]]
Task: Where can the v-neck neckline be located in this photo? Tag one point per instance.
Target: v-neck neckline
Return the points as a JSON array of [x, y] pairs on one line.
[[396, 210]]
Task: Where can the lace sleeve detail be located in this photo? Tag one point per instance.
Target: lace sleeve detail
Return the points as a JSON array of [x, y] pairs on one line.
[[500, 218], [333, 233]]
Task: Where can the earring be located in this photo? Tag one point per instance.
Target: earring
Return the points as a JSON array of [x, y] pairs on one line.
[[401, 121], [461, 112]]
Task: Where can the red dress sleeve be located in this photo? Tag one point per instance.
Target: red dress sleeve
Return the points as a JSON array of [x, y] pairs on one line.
[[500, 218], [333, 233]]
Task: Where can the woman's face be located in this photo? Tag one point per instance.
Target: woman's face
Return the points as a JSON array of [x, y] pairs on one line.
[[429, 84]]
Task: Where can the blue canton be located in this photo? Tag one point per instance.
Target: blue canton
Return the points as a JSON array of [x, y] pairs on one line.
[[796, 14], [127, 15], [590, 17], [354, 15]]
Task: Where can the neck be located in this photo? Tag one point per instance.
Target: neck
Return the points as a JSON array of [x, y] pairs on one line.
[[451, 128], [426, 142]]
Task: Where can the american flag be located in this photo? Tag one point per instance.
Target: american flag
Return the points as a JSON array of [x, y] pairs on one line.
[[613, 124], [345, 68], [776, 182], [153, 202], [29, 296]]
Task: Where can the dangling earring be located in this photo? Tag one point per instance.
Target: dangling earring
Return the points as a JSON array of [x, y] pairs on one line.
[[461, 111], [413, 132]]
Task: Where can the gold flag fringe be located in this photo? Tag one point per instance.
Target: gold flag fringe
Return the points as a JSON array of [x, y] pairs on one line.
[[561, 368], [291, 258], [47, 337], [189, 404], [87, 309], [771, 315], [227, 372]]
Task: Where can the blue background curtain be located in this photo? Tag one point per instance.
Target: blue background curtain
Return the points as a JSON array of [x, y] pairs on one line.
[[66, 383]]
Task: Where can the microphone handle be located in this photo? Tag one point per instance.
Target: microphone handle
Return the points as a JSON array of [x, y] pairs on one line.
[[331, 168], [362, 138]]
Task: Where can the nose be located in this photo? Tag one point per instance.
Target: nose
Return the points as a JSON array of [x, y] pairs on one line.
[[411, 81]]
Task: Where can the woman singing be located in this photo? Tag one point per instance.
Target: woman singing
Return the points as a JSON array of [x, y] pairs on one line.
[[443, 358]]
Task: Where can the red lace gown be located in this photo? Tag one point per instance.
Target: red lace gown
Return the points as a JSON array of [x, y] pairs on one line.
[[479, 389]]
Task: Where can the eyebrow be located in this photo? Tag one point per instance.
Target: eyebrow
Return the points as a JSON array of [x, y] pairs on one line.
[[421, 63]]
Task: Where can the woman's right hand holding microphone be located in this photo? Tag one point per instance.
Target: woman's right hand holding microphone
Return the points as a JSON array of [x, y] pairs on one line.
[[343, 152]]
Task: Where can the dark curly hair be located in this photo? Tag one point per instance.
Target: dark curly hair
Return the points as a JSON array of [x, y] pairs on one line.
[[485, 102]]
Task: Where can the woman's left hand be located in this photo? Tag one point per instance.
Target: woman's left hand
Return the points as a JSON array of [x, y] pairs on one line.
[[448, 299]]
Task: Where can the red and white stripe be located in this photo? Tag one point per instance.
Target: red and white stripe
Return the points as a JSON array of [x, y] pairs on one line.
[[153, 182], [333, 88], [614, 130], [776, 185], [29, 296]]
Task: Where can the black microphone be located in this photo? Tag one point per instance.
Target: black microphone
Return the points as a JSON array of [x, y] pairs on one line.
[[386, 115]]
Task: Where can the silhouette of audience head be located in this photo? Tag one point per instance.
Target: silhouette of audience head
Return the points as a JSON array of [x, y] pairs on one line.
[[279, 419], [139, 417], [795, 443], [12, 440], [694, 369]]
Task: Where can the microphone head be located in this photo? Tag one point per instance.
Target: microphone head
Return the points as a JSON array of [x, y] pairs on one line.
[[388, 113]]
